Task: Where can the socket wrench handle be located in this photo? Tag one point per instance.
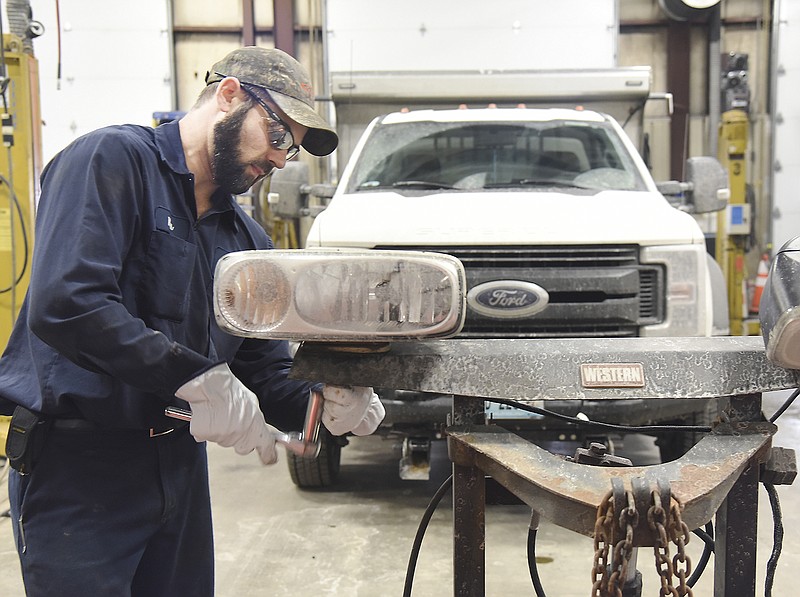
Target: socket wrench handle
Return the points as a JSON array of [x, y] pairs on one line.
[[313, 420], [305, 444]]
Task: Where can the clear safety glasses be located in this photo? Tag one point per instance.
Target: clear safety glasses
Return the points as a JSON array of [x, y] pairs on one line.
[[278, 132]]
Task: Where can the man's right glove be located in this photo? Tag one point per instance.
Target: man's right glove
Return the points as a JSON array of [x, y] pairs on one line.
[[356, 409], [225, 412]]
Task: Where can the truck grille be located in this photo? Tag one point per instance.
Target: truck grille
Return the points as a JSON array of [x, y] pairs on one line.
[[598, 291]]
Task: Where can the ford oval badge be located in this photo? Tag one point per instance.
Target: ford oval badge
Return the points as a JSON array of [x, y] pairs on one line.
[[507, 299]]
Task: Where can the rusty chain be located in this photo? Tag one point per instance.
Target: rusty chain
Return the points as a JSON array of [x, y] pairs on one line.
[[666, 529], [623, 550], [681, 563], [607, 581], [657, 519], [603, 531], [667, 526]]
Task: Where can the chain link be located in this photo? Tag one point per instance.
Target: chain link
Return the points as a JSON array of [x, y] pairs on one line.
[[603, 531], [623, 550], [657, 518], [667, 526], [681, 563], [670, 528], [609, 580]]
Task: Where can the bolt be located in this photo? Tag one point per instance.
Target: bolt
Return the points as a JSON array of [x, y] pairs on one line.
[[597, 448]]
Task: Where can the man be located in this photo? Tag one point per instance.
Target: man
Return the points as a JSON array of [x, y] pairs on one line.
[[110, 496]]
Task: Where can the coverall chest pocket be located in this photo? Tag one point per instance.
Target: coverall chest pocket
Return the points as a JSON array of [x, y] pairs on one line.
[[168, 275]]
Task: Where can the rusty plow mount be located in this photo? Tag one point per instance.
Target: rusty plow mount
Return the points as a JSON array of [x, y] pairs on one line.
[[568, 494]]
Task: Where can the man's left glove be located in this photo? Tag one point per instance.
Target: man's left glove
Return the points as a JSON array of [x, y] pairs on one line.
[[355, 409], [225, 412]]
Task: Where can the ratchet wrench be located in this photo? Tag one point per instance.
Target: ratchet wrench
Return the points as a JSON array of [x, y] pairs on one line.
[[305, 444]]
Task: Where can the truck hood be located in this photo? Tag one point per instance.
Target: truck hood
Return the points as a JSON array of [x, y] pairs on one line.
[[510, 218]]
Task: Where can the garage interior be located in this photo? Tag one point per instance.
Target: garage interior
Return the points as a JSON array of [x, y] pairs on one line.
[[382, 515]]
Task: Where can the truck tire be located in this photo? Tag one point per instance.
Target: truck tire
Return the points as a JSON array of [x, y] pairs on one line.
[[673, 445], [322, 471]]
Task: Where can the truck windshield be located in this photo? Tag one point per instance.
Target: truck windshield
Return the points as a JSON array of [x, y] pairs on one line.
[[495, 155]]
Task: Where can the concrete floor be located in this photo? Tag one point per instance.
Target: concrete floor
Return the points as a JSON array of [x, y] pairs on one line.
[[275, 540]]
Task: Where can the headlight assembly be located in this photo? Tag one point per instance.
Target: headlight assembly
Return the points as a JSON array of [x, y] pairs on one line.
[[339, 295], [780, 307]]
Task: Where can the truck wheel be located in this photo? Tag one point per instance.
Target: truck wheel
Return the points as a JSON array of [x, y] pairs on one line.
[[673, 445], [322, 471]]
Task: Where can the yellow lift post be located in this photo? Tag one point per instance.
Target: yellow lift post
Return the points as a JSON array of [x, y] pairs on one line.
[[733, 223], [20, 167]]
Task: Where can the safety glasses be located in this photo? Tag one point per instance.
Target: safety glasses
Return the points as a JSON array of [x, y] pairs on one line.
[[278, 132]]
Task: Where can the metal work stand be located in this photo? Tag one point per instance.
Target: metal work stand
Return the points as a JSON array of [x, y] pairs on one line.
[[719, 476]]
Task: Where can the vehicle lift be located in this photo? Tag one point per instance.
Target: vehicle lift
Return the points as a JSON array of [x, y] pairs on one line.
[[734, 223], [719, 477]]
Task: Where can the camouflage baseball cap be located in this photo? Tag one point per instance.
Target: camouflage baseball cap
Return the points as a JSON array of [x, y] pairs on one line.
[[288, 85]]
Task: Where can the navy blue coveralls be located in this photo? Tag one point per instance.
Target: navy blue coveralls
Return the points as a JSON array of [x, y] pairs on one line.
[[119, 315]]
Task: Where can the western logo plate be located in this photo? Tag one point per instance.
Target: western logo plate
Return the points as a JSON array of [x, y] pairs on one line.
[[612, 375]]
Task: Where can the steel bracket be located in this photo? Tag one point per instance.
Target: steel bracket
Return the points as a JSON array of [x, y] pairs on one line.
[[568, 493]]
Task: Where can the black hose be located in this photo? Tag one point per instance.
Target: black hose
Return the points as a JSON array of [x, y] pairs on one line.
[[26, 256], [631, 113], [537, 584], [777, 517], [708, 539], [589, 423], [777, 538], [423, 525], [784, 406]]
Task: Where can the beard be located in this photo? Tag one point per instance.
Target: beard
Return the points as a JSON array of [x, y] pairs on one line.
[[227, 168]]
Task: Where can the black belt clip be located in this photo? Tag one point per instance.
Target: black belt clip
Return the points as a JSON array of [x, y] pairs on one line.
[[26, 435]]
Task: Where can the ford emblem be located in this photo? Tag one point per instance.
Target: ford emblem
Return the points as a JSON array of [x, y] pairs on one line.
[[507, 299]]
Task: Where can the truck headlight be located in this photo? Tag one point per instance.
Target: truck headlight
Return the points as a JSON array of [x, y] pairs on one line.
[[688, 299], [339, 295]]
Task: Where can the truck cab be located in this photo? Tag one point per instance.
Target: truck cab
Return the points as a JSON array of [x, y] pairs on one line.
[[554, 197]]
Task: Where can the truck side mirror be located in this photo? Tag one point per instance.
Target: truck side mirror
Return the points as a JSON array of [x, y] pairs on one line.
[[324, 191], [286, 189], [289, 192], [778, 311], [708, 185]]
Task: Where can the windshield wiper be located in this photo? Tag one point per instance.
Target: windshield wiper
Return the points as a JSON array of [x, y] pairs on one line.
[[403, 184], [537, 182], [420, 184]]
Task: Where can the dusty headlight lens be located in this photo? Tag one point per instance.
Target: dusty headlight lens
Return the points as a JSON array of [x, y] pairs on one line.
[[347, 295], [254, 294]]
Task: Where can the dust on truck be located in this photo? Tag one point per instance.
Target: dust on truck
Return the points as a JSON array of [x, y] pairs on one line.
[[562, 232]]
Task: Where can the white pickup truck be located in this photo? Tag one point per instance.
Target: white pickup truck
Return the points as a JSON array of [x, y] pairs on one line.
[[562, 232]]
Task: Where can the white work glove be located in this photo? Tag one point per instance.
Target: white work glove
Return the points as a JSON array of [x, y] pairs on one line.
[[225, 412], [355, 409]]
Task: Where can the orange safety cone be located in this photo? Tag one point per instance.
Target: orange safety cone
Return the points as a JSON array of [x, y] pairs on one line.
[[761, 281]]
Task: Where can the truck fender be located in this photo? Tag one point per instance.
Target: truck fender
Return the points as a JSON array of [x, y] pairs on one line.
[[720, 325]]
